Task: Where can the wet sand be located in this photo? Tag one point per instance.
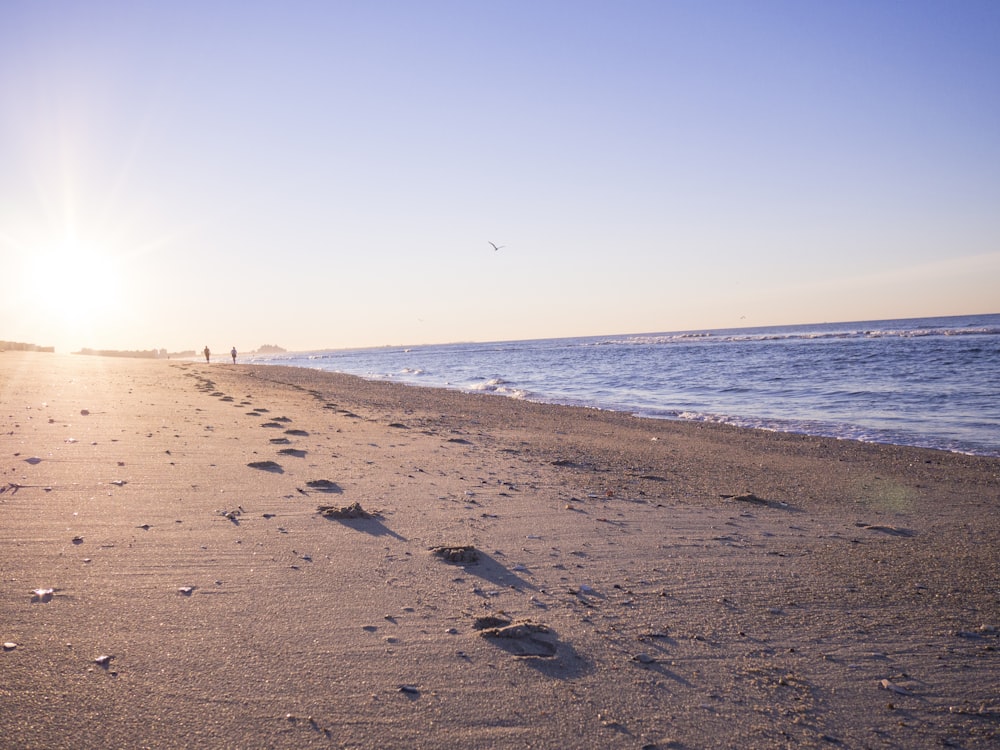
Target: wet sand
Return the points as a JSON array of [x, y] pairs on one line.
[[274, 557]]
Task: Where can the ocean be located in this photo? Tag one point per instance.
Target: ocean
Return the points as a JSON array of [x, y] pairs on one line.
[[926, 382]]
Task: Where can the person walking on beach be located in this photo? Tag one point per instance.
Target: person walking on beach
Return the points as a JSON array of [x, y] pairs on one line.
[[233, 352], [207, 354]]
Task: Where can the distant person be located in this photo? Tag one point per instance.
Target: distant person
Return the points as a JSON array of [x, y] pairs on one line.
[[207, 353], [233, 352]]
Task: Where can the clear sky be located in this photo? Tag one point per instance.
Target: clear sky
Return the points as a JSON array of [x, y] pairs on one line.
[[330, 174]]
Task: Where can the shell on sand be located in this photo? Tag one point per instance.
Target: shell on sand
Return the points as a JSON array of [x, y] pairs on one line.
[[354, 510], [524, 638], [42, 595], [461, 554]]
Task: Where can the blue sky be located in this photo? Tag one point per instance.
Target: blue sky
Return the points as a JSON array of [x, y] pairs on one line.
[[329, 174]]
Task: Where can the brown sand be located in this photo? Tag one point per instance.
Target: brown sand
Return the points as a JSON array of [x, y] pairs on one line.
[[527, 575]]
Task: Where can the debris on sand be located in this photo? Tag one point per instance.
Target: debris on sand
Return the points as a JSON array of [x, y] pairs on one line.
[[490, 621], [892, 687], [524, 638], [42, 595], [324, 485], [232, 515], [265, 465], [891, 530], [746, 497], [459, 554], [354, 510]]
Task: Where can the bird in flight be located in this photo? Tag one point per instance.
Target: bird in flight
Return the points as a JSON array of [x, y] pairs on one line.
[[495, 247]]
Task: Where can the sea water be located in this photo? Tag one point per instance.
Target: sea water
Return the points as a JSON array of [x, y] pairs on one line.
[[927, 382]]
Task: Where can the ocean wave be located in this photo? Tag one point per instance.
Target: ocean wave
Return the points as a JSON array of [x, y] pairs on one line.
[[839, 431], [490, 385], [659, 339]]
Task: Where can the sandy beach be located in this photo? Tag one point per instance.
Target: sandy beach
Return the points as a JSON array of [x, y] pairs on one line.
[[235, 556]]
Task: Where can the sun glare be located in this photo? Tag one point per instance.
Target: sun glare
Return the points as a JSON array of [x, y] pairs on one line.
[[73, 284]]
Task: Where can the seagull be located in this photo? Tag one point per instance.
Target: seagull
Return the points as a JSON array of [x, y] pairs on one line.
[[495, 247]]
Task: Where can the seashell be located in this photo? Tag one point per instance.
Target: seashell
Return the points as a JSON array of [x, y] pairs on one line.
[[525, 638], [459, 554], [352, 511], [103, 660], [9, 646], [42, 595], [894, 688]]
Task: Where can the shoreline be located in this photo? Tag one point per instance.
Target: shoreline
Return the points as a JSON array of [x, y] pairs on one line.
[[763, 380], [665, 584], [743, 423]]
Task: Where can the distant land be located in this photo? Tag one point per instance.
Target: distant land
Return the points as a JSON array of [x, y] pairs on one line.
[[137, 353], [18, 346]]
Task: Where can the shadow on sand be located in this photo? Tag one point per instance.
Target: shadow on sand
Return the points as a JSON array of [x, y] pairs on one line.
[[478, 563], [371, 525]]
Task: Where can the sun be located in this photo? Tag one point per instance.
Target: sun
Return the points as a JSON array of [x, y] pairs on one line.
[[74, 285]]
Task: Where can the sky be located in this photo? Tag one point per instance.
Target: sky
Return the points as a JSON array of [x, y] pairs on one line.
[[331, 174]]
